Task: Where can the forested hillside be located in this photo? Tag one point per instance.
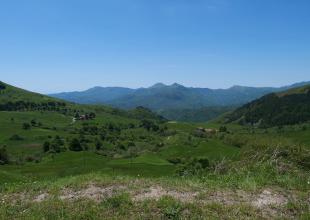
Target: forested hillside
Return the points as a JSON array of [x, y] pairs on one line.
[[276, 109]]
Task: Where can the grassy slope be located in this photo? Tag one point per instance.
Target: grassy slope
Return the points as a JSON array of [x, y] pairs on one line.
[[149, 164], [54, 173], [13, 94]]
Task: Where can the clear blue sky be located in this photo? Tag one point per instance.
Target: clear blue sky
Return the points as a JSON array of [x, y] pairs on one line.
[[63, 45]]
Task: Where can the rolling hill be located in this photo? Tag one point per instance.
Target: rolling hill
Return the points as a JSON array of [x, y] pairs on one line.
[[276, 109], [13, 94]]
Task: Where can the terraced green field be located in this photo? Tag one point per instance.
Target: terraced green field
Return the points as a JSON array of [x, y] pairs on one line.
[[147, 163]]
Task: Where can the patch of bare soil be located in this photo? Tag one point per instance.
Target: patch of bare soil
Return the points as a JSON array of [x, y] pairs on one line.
[[265, 198], [92, 192], [269, 201], [41, 197], [157, 192], [269, 198]]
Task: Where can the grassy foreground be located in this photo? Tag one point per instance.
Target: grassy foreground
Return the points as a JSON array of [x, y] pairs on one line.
[[255, 191]]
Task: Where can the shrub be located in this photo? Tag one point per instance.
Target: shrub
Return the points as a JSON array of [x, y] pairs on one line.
[[75, 145], [223, 129], [46, 146], [4, 156], [26, 126], [57, 144], [98, 145], [33, 122], [279, 156], [175, 160], [171, 208], [32, 158], [16, 137], [195, 166], [2, 86]]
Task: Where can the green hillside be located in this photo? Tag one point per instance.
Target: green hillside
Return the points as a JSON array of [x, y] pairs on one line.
[[12, 98], [73, 161], [13, 94], [117, 138], [276, 109]]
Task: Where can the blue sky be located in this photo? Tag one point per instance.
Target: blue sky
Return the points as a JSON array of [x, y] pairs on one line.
[[63, 45]]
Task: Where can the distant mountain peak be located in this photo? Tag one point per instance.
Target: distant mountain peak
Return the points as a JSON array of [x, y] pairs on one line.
[[158, 85], [239, 87], [177, 85]]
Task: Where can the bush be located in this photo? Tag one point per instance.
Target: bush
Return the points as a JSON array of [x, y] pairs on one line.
[[33, 122], [2, 86], [46, 146], [26, 126], [98, 145], [57, 144], [170, 207], [223, 129], [175, 160], [75, 145], [4, 156], [31, 158], [195, 166], [16, 137], [279, 156]]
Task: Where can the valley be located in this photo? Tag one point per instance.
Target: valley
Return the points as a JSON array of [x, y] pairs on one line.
[[102, 161]]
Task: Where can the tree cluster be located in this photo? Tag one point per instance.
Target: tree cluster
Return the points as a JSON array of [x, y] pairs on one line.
[[32, 106]]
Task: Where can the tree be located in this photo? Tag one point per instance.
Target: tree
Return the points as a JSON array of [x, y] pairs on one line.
[[75, 145], [98, 145], [92, 115], [26, 126], [2, 86], [4, 157], [56, 144], [46, 146], [148, 125], [223, 129], [33, 122], [77, 115]]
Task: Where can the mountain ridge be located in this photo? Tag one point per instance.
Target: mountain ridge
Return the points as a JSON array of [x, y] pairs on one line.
[[161, 96]]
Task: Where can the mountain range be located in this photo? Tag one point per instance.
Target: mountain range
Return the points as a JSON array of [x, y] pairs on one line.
[[175, 102]]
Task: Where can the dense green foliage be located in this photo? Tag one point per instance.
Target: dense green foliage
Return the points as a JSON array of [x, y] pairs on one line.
[[195, 115], [288, 108], [2, 86]]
